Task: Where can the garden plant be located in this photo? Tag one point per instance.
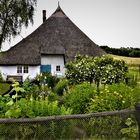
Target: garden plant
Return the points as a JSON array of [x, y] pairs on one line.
[[91, 85]]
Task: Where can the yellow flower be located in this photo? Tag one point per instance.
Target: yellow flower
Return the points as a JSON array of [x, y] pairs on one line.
[[123, 102]]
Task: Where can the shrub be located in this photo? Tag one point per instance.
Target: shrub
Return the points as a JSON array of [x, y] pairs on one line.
[[38, 92], [47, 78], [103, 69], [61, 86], [4, 87], [113, 97], [32, 108], [52, 97], [78, 97]]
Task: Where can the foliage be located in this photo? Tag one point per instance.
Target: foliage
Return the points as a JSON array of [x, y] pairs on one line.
[[38, 131], [52, 97], [111, 98], [27, 86], [37, 88], [129, 51], [81, 98], [37, 101], [17, 88], [30, 108], [78, 97], [13, 15], [131, 130], [3, 106], [81, 69], [110, 70], [95, 128], [48, 79], [99, 69], [61, 86], [4, 87]]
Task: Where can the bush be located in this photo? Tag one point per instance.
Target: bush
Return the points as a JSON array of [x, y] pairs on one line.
[[113, 97], [78, 97], [52, 97], [30, 108], [4, 87], [103, 69], [47, 78], [61, 86]]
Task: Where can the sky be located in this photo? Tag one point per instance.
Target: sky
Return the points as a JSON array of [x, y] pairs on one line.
[[115, 23]]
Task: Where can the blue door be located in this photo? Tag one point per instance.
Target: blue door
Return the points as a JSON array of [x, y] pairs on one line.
[[45, 68]]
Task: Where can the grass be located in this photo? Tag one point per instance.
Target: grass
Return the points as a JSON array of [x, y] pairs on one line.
[[4, 87], [133, 66], [131, 61]]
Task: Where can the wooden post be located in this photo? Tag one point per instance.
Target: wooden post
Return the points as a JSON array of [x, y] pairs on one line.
[[137, 115]]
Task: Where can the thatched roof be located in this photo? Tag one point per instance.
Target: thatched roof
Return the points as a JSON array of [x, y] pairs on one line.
[[57, 35]]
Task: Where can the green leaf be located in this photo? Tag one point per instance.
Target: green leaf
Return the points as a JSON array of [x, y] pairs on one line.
[[129, 122], [17, 89], [13, 113], [15, 96], [10, 103]]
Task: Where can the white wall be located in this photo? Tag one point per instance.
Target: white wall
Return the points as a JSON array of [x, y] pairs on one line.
[[12, 70], [54, 60]]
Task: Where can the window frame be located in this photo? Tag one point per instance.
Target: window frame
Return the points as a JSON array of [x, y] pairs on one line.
[[19, 69], [25, 69], [58, 68]]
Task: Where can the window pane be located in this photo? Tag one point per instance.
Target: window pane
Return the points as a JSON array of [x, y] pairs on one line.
[[19, 69], [57, 68], [25, 69]]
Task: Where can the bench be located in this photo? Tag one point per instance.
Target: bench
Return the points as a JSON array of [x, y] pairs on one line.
[[17, 78]]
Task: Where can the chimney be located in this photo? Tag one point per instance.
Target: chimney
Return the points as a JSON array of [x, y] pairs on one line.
[[44, 15]]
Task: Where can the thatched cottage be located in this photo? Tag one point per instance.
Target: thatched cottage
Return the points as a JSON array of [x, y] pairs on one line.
[[48, 48]]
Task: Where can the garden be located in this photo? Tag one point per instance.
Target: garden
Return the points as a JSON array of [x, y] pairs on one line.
[[91, 85]]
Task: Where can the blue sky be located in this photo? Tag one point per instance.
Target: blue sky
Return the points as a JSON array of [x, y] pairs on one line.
[[115, 23]]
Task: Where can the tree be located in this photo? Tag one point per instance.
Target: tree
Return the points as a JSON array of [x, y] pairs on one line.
[[103, 69], [13, 15]]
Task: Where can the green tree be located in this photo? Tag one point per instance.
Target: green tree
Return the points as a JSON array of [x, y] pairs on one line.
[[103, 69], [13, 15], [81, 69]]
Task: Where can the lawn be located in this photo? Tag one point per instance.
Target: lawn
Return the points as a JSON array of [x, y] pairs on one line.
[[4, 87]]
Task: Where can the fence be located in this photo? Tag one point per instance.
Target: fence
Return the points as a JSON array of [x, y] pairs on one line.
[[102, 126]]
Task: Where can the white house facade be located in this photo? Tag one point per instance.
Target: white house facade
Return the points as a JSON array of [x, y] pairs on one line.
[[53, 64], [49, 63], [20, 70]]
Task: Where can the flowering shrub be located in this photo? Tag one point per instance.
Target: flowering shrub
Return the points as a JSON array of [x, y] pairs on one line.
[[99, 69], [111, 98]]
